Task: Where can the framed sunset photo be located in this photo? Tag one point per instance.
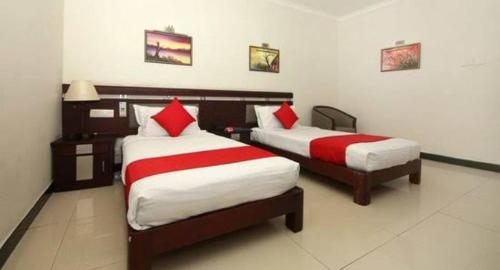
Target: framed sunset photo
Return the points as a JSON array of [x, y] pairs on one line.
[[168, 48], [404, 57]]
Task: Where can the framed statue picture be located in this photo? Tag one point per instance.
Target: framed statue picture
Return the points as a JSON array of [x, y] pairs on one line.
[[264, 59], [400, 58], [168, 48]]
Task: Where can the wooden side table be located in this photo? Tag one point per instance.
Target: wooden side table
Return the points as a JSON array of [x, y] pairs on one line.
[[78, 164]]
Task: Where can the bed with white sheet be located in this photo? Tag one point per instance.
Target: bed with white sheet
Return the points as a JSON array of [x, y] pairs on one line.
[[366, 157], [361, 161], [169, 197]]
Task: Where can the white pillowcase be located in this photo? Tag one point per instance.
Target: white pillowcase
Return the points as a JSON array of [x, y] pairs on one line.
[[266, 118], [148, 127]]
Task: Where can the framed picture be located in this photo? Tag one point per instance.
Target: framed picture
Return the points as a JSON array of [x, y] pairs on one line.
[[168, 48], [400, 58], [264, 59]]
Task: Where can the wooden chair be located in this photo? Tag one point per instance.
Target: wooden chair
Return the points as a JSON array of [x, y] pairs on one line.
[[327, 117]]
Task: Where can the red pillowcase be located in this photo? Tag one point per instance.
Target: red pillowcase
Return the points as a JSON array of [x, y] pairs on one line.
[[174, 118], [286, 116]]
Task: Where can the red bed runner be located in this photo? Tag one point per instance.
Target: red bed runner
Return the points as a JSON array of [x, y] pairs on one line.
[[333, 148], [140, 169]]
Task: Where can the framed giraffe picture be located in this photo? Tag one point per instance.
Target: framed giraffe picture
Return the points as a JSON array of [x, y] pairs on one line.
[[264, 59], [168, 48]]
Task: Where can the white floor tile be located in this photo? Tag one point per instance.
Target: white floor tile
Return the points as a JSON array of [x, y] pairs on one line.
[[440, 242], [450, 221], [37, 249]]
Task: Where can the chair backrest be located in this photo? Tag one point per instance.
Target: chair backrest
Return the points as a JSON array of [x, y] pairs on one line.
[[340, 118]]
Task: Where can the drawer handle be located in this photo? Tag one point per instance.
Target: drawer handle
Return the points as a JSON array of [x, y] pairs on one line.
[[103, 166]]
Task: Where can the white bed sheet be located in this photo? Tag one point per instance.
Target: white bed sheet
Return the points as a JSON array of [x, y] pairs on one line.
[[169, 197], [360, 156]]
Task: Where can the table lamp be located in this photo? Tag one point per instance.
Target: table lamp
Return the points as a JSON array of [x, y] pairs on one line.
[[81, 92]]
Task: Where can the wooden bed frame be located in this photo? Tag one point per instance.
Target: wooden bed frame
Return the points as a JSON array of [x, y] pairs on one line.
[[216, 108], [361, 182], [145, 245]]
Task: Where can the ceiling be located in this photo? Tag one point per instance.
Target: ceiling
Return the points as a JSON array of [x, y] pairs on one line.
[[335, 8]]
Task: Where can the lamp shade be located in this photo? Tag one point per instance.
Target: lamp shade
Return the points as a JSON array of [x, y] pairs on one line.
[[81, 91]]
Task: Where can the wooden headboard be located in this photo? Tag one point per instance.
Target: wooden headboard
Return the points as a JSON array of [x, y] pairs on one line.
[[216, 107]]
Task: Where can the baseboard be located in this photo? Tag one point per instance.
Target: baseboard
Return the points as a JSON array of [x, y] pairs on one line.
[[17, 234], [462, 162]]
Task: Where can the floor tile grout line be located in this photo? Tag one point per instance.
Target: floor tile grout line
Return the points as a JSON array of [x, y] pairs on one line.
[[64, 236], [310, 253], [75, 206], [43, 225], [418, 223], [33, 226], [59, 246], [109, 264], [469, 192], [396, 236], [435, 212], [477, 188], [74, 221], [461, 196], [471, 223], [370, 251], [482, 198], [401, 233], [307, 251], [438, 211]]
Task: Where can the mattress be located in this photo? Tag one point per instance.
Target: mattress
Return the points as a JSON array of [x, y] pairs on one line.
[[169, 197], [360, 156]]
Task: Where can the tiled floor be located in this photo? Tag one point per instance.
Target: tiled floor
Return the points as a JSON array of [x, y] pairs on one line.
[[451, 221]]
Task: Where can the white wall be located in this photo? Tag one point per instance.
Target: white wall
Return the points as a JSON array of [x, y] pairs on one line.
[[452, 104], [104, 42], [30, 79]]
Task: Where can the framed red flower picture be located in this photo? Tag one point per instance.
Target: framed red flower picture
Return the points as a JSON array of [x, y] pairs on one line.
[[400, 58]]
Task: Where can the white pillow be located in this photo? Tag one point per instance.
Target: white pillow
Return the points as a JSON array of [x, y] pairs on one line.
[[139, 112], [148, 127], [266, 118]]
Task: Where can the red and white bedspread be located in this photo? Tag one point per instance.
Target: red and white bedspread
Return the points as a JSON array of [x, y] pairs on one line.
[[368, 156], [199, 187]]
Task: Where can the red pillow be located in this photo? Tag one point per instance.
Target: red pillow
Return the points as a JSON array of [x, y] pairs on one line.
[[174, 118], [286, 116]]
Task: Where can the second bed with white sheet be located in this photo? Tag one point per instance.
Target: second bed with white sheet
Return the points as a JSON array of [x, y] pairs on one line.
[[360, 156]]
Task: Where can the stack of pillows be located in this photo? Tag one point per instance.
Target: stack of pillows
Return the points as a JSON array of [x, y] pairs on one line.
[[177, 120]]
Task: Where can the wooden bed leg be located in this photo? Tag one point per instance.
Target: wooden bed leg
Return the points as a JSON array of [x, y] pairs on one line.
[[139, 255], [415, 178], [294, 220], [362, 188]]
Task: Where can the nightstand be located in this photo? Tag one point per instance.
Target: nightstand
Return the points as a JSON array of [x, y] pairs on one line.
[[238, 133], [78, 164]]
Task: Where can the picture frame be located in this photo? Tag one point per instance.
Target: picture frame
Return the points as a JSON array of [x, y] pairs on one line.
[[264, 59], [168, 48], [405, 57]]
